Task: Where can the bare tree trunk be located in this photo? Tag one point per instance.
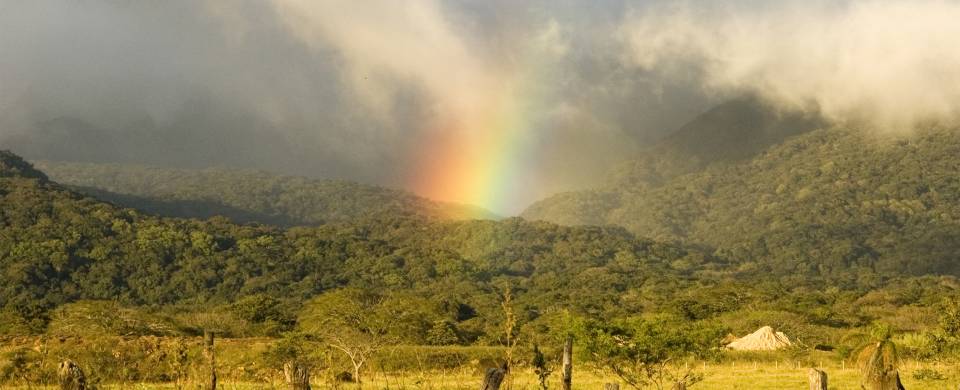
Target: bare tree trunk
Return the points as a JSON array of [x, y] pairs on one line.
[[71, 376], [611, 386], [210, 354], [297, 375], [680, 385], [817, 379], [567, 363], [356, 373], [493, 378]]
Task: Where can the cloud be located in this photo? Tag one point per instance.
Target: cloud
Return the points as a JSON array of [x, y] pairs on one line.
[[387, 43], [470, 78], [330, 89], [888, 64]]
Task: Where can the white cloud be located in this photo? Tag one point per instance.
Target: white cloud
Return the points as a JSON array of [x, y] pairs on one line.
[[388, 41], [891, 64]]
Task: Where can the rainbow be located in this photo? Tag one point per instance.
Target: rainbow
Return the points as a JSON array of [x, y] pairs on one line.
[[484, 159]]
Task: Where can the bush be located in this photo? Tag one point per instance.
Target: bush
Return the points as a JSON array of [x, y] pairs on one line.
[[927, 374], [100, 318], [264, 310], [414, 358], [293, 347], [637, 350]]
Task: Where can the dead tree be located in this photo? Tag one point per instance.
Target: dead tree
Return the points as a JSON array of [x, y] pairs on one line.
[[680, 385], [817, 379], [567, 363], [494, 377], [210, 353], [297, 375], [71, 376]]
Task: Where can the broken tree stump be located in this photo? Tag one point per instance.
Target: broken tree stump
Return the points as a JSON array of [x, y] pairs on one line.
[[297, 375], [210, 353], [817, 379], [71, 376], [567, 370], [494, 377]]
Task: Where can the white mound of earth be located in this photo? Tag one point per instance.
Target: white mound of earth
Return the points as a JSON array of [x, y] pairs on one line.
[[764, 339]]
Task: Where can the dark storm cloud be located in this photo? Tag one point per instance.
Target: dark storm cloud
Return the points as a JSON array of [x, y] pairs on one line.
[[324, 89]]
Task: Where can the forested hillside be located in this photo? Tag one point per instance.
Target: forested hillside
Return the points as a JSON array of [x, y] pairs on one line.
[[831, 200], [734, 131], [57, 247], [60, 249], [247, 196]]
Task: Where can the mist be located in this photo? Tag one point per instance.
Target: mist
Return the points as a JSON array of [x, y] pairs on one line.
[[355, 90], [324, 89]]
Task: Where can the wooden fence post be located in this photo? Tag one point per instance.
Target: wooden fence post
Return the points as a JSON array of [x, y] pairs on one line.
[[210, 353], [297, 375], [817, 379], [71, 376], [494, 377], [567, 380]]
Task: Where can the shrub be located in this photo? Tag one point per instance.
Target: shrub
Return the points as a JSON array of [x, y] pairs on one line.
[[927, 374], [100, 318], [639, 351]]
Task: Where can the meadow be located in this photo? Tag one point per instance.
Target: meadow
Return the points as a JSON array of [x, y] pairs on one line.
[[113, 363], [719, 376]]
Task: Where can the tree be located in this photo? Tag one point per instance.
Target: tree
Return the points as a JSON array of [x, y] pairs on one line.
[[644, 352], [352, 321], [443, 332]]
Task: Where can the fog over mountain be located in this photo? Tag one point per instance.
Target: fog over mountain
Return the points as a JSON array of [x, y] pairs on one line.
[[363, 90]]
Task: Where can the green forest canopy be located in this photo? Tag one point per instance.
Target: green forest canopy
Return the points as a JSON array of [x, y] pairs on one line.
[[60, 249], [831, 202]]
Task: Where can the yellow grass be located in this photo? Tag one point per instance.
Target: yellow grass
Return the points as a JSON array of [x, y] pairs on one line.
[[724, 376]]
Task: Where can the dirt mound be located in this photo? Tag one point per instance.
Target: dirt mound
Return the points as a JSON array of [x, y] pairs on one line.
[[764, 339]]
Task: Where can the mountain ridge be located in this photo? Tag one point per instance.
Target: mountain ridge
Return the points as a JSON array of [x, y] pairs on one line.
[[247, 195], [716, 136], [828, 199]]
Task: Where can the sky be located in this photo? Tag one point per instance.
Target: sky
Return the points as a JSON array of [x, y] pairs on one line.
[[492, 102]]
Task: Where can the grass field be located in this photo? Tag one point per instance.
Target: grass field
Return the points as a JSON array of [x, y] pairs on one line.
[[241, 366], [726, 376]]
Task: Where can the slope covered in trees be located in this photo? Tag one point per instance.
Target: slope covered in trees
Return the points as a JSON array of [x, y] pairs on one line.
[[58, 246], [247, 196], [67, 257], [821, 203], [730, 132]]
